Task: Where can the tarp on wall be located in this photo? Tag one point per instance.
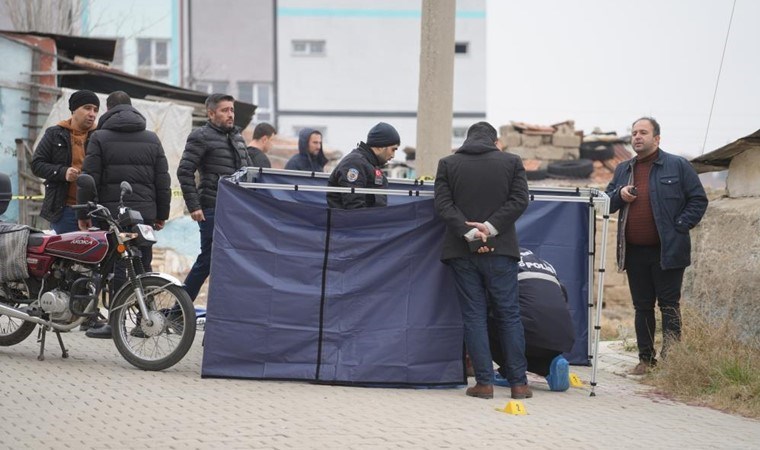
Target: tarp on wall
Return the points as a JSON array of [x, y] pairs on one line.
[[303, 292]]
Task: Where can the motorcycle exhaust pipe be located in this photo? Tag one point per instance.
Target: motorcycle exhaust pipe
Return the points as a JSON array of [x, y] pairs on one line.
[[18, 314]]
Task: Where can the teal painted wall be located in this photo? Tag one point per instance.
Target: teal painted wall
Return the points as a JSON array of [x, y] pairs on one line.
[[16, 59]]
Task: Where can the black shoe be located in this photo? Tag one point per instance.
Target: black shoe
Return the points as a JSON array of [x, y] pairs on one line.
[[92, 323], [103, 332]]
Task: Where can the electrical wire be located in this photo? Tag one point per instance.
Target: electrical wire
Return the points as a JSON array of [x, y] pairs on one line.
[[717, 81]]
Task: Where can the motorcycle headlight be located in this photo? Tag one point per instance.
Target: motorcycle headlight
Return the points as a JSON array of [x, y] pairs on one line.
[[145, 234]]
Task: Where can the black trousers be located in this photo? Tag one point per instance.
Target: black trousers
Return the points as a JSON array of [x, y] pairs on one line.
[[650, 285]]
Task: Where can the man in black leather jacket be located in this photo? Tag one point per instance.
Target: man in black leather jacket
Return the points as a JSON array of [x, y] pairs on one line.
[[214, 150], [58, 159]]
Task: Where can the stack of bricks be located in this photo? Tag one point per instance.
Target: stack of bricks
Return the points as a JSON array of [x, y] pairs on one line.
[[550, 143]]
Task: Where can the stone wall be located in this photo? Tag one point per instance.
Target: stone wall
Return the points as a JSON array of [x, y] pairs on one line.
[[724, 278], [742, 178], [550, 143]]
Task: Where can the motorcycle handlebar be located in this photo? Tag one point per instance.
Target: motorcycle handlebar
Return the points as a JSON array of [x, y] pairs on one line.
[[94, 210], [78, 207]]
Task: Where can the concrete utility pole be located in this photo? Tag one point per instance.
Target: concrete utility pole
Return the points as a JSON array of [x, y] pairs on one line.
[[436, 91]]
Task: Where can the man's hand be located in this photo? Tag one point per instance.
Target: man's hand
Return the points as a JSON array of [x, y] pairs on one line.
[[483, 231], [72, 174], [158, 225], [485, 249], [84, 224], [198, 216], [626, 195]]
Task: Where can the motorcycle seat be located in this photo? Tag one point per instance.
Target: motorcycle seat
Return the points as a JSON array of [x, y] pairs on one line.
[[36, 239]]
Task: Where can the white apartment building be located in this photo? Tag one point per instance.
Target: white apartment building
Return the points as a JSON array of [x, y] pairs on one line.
[[146, 33], [343, 66]]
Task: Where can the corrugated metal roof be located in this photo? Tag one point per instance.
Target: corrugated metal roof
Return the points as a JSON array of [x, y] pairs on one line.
[[77, 53], [71, 46], [719, 159]]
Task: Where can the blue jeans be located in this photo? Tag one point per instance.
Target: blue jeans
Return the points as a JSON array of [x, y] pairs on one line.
[[202, 267], [484, 279], [67, 223]]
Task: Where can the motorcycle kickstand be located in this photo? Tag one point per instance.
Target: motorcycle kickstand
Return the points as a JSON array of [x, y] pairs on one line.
[[41, 340], [64, 352]]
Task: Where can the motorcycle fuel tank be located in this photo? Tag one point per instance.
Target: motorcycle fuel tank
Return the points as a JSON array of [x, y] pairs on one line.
[[86, 247]]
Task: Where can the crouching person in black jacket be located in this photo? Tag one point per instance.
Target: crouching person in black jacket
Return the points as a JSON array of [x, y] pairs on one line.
[[546, 320], [121, 149]]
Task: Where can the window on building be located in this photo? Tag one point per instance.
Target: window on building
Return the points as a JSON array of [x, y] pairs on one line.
[[259, 94], [461, 48], [212, 87], [308, 48], [459, 132], [458, 135], [153, 58]]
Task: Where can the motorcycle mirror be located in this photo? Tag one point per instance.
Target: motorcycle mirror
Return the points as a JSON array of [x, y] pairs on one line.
[[126, 188], [86, 190], [5, 192]]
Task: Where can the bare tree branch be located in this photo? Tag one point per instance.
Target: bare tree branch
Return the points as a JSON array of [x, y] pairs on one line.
[[59, 17]]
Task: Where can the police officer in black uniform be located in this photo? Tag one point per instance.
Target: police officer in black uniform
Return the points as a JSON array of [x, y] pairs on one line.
[[546, 320], [362, 168]]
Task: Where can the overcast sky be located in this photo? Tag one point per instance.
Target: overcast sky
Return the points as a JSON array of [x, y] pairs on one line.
[[604, 63]]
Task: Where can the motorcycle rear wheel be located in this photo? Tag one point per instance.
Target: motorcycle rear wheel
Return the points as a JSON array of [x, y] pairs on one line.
[[162, 343], [12, 330]]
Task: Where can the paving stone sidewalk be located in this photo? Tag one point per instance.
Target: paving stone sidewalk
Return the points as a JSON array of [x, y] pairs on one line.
[[95, 399]]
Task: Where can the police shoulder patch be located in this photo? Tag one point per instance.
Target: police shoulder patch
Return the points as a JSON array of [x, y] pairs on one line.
[[352, 175]]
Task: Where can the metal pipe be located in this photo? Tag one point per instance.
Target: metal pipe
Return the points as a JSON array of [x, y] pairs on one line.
[[18, 314]]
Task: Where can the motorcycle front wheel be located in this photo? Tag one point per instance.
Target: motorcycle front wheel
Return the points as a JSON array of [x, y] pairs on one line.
[[162, 341], [12, 330]]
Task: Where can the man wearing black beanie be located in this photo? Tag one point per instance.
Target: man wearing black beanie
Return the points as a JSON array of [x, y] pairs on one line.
[[58, 159], [362, 168]]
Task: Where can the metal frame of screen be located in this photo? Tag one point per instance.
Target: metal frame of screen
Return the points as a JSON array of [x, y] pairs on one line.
[[598, 201]]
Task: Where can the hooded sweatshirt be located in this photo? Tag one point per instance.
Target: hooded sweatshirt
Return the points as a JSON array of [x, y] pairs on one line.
[[305, 160]]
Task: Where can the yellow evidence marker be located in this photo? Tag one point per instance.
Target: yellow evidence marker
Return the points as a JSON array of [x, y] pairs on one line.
[[514, 407]]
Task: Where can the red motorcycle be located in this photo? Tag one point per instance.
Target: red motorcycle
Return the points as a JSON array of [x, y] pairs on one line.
[[151, 315]]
